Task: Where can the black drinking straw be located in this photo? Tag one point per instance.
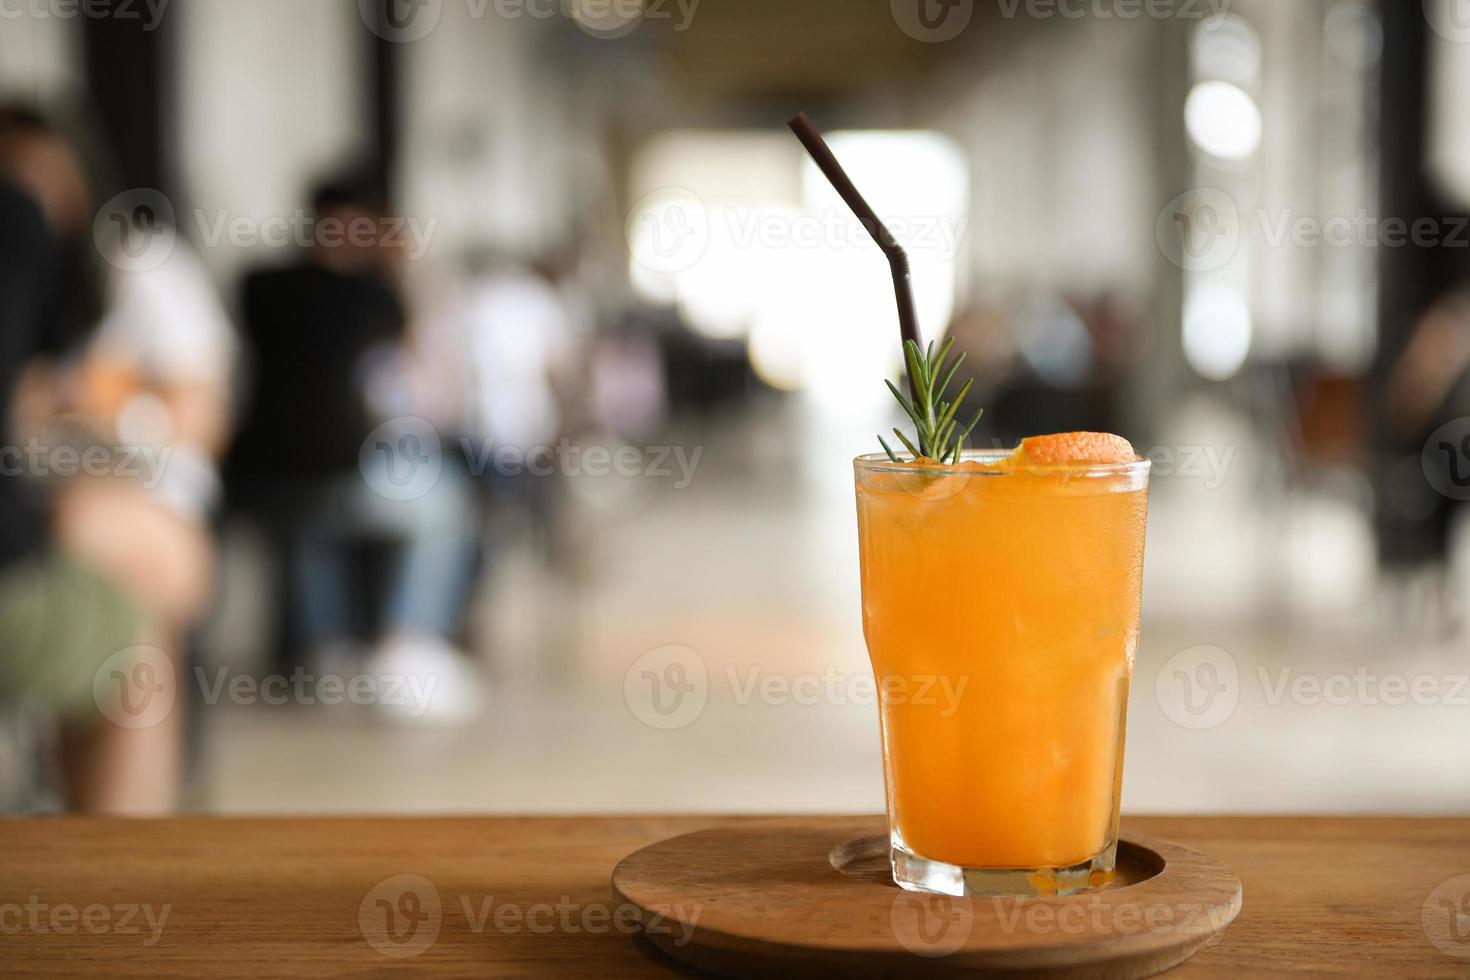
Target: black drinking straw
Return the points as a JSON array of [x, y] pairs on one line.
[[898, 260]]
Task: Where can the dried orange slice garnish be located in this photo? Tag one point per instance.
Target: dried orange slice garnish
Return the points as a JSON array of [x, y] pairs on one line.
[[1076, 447]]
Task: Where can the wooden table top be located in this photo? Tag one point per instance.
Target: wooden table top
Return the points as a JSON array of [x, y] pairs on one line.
[[529, 896]]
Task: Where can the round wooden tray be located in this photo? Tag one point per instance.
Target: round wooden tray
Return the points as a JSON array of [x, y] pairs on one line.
[[797, 899]]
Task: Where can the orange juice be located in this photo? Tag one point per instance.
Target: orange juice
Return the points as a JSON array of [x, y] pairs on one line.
[[1000, 607]]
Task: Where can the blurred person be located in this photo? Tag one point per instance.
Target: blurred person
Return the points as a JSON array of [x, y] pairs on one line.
[[521, 336], [98, 577], [324, 444], [1428, 385]]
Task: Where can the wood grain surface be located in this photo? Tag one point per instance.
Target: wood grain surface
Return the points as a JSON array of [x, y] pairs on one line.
[[797, 900], [530, 896]]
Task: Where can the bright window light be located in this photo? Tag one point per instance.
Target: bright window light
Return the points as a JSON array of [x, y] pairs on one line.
[[1217, 330], [747, 236], [1222, 120]]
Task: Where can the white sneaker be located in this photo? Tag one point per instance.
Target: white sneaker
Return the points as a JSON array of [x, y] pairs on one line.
[[423, 679]]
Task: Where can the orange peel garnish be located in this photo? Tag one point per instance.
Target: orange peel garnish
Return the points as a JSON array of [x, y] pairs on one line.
[[1076, 447]]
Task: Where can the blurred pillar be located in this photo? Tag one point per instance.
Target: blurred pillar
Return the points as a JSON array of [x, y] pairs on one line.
[[1413, 275], [130, 73], [382, 124]]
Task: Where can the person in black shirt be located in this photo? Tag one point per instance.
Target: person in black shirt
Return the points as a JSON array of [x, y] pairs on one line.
[[310, 454]]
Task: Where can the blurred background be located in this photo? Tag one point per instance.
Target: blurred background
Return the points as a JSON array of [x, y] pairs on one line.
[[448, 405]]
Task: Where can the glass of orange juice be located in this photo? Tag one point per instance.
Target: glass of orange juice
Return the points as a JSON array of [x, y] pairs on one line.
[[1000, 608]]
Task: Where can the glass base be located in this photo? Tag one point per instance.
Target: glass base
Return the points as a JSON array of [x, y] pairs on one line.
[[920, 874]]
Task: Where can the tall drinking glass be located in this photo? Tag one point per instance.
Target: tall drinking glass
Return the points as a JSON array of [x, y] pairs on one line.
[[1000, 607]]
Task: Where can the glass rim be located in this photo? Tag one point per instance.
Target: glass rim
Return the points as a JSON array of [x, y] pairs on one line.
[[879, 462]]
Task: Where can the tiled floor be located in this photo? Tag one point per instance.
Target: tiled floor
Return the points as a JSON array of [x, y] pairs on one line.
[[752, 569]]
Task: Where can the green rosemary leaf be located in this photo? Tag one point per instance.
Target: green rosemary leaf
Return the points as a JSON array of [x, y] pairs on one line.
[[949, 374], [905, 403], [943, 440], [938, 432], [943, 351], [973, 422], [948, 411], [916, 370], [887, 450], [906, 444]]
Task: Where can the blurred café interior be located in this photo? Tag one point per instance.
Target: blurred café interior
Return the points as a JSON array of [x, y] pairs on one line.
[[590, 386]]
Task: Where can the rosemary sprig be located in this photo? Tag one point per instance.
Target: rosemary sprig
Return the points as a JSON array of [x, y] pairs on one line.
[[940, 435]]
